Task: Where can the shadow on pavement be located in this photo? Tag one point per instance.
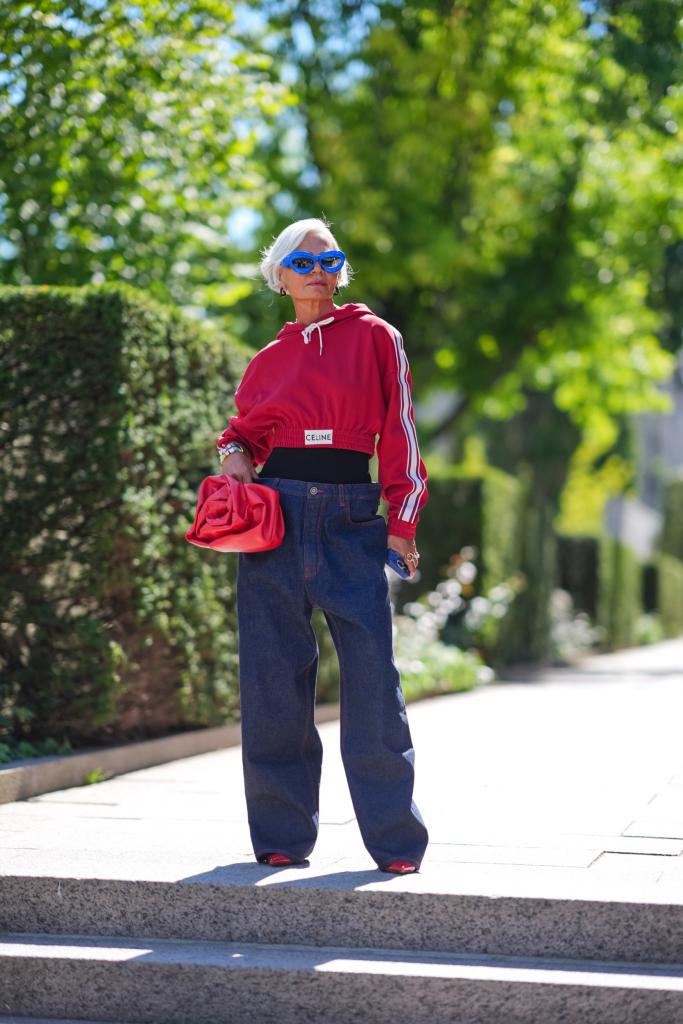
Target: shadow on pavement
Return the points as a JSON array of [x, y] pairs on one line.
[[252, 874]]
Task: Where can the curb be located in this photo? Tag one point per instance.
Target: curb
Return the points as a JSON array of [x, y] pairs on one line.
[[20, 780]]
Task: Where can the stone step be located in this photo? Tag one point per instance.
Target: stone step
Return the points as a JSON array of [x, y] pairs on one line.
[[52, 1020], [161, 981], [401, 913]]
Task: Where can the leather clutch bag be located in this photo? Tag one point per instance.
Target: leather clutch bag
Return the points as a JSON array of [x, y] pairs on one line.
[[235, 516]]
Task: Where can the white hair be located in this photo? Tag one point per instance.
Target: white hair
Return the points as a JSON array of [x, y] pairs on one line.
[[290, 238]]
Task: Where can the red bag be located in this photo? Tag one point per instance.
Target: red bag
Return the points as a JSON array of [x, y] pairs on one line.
[[232, 516]]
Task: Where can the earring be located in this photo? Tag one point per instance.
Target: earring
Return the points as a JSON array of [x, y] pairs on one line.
[[282, 291], [336, 290]]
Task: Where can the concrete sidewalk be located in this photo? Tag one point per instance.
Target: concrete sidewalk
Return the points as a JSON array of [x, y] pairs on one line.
[[569, 785], [552, 888]]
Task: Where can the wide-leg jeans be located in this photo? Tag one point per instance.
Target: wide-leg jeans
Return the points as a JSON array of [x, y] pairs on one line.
[[332, 557]]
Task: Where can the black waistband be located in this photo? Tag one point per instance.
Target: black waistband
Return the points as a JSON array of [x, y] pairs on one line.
[[326, 465]]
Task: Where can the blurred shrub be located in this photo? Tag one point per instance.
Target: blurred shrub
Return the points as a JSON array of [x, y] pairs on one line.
[[620, 590], [510, 534], [427, 665], [572, 632], [671, 538], [670, 594], [670, 559], [525, 634], [649, 629], [481, 512], [475, 619], [577, 570]]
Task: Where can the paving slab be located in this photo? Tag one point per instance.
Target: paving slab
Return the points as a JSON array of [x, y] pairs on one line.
[[563, 785]]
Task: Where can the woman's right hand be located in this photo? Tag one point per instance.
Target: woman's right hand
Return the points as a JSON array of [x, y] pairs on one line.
[[239, 466]]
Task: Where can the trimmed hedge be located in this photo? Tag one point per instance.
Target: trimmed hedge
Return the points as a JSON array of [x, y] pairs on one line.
[[620, 593], [511, 529], [577, 566], [481, 511], [525, 634], [670, 593], [671, 539], [670, 559], [113, 626]]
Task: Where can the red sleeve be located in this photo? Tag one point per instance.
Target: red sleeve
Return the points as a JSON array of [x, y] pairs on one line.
[[402, 472], [250, 426]]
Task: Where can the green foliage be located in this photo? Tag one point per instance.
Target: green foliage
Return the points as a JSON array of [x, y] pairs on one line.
[[670, 593], [518, 243], [649, 629], [486, 620], [128, 134], [670, 559], [671, 540], [97, 775], [465, 510], [13, 750], [429, 668], [507, 526], [577, 561], [112, 624], [572, 633], [599, 468], [620, 593], [426, 663], [526, 631]]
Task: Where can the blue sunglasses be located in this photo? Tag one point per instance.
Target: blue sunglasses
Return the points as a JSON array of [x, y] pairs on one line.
[[303, 262]]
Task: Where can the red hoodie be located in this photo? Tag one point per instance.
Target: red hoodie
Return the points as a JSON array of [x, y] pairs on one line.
[[351, 383]]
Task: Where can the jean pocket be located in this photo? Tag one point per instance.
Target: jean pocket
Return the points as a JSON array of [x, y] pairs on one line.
[[362, 512]]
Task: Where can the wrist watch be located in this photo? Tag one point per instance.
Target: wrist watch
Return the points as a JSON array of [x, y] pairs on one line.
[[228, 449]]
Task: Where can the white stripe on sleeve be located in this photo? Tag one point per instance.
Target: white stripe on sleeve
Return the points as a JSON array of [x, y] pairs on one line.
[[409, 507]]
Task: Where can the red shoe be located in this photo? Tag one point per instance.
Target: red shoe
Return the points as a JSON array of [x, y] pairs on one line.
[[277, 860], [401, 867]]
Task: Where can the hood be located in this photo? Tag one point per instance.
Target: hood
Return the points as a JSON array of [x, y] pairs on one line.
[[342, 314]]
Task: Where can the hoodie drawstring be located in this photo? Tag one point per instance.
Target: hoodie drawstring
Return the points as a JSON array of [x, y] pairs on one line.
[[316, 325]]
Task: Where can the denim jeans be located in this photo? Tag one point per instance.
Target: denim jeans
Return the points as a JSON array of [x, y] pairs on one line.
[[332, 557]]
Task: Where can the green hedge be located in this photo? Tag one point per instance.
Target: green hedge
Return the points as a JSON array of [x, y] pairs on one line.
[[481, 511], [525, 634], [577, 562], [511, 529], [670, 593], [620, 593], [670, 559], [671, 539], [113, 626]]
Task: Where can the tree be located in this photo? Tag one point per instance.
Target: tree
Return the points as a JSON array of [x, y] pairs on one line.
[[503, 175], [127, 138]]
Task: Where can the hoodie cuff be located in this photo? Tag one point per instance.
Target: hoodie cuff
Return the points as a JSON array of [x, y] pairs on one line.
[[400, 528]]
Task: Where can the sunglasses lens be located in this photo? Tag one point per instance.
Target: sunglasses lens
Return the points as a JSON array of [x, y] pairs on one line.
[[302, 262], [332, 262]]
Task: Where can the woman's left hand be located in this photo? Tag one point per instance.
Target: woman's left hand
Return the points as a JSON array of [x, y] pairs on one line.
[[406, 549]]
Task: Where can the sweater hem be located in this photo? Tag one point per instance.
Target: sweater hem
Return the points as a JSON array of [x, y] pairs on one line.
[[294, 437]]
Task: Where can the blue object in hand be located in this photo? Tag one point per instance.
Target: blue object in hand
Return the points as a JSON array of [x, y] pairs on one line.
[[395, 562]]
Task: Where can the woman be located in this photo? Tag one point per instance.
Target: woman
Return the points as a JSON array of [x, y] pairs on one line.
[[310, 405]]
